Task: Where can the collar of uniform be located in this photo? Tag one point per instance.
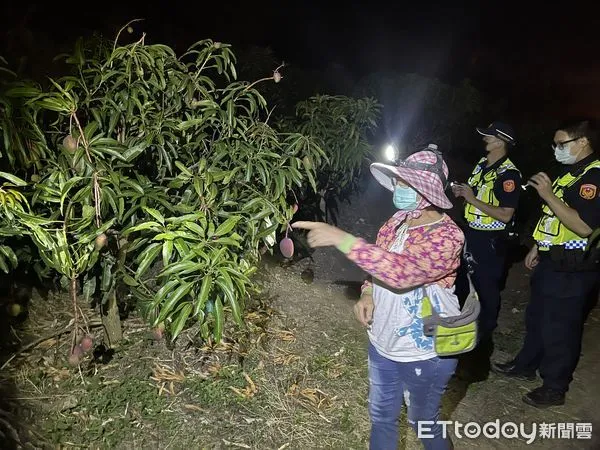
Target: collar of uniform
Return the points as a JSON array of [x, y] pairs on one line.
[[576, 168], [495, 165]]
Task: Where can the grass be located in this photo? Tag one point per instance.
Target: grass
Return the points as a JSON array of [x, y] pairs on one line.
[[284, 393], [288, 383]]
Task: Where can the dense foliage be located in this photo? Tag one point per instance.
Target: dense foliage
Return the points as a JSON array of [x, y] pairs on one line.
[[159, 176]]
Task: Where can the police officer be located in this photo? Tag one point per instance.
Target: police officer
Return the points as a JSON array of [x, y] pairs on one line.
[[491, 197], [564, 275]]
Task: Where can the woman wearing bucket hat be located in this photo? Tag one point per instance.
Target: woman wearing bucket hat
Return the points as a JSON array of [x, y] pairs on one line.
[[417, 254]]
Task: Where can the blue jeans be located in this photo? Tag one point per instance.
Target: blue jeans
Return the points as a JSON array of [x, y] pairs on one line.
[[420, 385]]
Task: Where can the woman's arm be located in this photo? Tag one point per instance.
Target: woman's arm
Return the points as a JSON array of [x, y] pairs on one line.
[[428, 256]]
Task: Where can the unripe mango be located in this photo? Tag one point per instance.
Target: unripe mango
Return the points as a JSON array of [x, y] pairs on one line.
[[70, 143], [15, 309], [101, 240]]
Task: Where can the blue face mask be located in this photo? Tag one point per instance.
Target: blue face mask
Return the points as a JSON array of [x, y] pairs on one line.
[[405, 198]]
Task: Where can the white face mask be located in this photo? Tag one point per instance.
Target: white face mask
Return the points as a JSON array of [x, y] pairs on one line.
[[564, 156]]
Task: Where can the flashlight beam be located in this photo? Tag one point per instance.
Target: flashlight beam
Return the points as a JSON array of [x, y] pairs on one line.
[[390, 153]]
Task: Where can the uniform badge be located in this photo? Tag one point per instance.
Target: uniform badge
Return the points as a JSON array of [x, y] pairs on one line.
[[588, 191], [508, 185]]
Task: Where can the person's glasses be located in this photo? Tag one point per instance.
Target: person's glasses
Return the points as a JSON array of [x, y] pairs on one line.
[[562, 145]]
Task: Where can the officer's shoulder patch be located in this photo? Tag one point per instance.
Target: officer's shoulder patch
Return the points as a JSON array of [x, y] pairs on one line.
[[588, 191], [508, 185]]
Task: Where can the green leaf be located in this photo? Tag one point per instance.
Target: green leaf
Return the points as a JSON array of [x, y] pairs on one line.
[[3, 265], [89, 237], [182, 247], [147, 257], [182, 318], [203, 295], [184, 169], [227, 241], [195, 228], [226, 285], [66, 188], [43, 238], [133, 185], [10, 255], [172, 301], [93, 259], [28, 91], [255, 202], [107, 277], [89, 287], [52, 105], [108, 151], [227, 226], [163, 292], [32, 221], [204, 331], [155, 226], [65, 283], [266, 232], [219, 320], [154, 213], [13, 179], [167, 252], [129, 281], [184, 218], [11, 232], [181, 268], [133, 152]]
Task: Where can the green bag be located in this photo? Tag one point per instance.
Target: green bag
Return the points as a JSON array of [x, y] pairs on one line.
[[455, 334], [448, 340]]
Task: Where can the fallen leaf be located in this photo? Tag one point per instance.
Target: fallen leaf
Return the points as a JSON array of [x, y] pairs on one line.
[[193, 408], [235, 444]]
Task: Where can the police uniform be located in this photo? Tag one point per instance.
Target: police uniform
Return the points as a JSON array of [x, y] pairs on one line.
[[562, 283], [497, 185]]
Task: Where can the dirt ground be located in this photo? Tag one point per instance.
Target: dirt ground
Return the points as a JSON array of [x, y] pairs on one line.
[[295, 379]]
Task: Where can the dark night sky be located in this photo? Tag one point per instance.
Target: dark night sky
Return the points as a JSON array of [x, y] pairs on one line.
[[516, 48]]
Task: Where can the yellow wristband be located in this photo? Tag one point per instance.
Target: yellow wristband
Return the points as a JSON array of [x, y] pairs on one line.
[[347, 243]]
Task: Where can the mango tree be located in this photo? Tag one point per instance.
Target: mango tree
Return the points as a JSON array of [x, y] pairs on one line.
[[158, 172], [342, 127]]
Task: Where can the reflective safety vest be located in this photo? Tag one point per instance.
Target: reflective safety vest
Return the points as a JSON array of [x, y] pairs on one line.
[[484, 185], [549, 230]]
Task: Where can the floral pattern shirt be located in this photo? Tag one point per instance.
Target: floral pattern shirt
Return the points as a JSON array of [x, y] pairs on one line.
[[407, 263]]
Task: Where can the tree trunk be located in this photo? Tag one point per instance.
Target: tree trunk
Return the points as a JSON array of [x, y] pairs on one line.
[[73, 294], [112, 322]]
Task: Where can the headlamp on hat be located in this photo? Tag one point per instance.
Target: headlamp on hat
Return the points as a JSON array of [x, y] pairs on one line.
[[436, 168], [412, 170], [391, 153]]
